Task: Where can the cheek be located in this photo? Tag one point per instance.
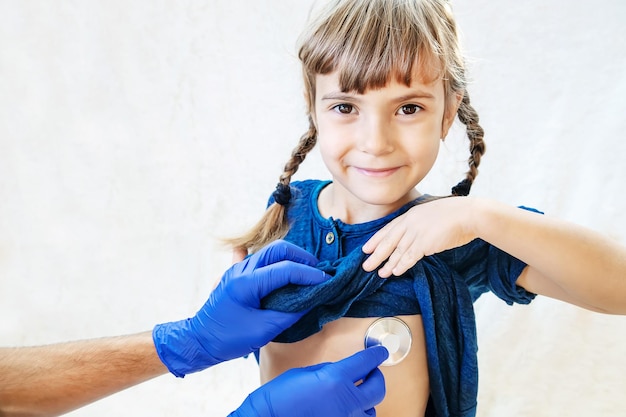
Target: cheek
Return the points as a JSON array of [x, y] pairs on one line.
[[423, 143], [332, 140], [329, 146], [433, 150], [424, 151]]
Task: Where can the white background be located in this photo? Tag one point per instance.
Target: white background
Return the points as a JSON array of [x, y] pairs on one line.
[[134, 134]]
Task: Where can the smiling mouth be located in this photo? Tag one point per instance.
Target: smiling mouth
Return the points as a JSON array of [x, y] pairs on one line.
[[371, 172]]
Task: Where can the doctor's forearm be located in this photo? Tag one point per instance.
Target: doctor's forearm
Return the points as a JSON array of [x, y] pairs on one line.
[[55, 379]]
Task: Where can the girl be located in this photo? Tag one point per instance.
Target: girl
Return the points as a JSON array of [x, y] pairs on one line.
[[384, 80]]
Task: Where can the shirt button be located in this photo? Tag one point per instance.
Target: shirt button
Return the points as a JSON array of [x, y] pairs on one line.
[[330, 237]]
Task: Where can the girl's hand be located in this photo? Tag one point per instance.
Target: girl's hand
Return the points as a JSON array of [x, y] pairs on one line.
[[424, 230]]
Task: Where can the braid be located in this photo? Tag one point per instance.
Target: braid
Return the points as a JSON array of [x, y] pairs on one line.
[[307, 142], [469, 117], [273, 225]]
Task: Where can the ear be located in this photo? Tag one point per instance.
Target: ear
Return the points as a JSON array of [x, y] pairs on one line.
[[452, 107]]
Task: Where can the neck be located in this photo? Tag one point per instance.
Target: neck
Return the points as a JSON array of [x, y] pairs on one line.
[[350, 209]]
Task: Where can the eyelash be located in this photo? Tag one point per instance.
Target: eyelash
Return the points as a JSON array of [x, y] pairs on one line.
[[415, 107], [403, 108], [338, 107]]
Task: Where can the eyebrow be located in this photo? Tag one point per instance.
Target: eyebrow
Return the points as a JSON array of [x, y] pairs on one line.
[[339, 96], [421, 95]]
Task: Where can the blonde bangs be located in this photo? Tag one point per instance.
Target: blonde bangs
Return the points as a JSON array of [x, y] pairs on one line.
[[371, 42]]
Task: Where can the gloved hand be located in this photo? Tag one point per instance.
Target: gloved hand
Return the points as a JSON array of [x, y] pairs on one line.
[[231, 323], [326, 390]]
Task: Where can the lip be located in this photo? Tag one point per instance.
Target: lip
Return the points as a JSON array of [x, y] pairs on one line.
[[377, 172]]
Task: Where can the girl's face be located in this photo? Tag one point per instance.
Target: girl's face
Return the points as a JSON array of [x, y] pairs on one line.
[[378, 145]]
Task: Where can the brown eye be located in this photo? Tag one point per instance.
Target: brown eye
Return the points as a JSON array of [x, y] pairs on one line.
[[410, 109], [344, 108]]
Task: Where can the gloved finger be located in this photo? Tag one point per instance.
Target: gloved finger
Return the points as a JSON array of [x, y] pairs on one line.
[[372, 389], [279, 320], [315, 367], [279, 274], [289, 374], [371, 412], [281, 250], [359, 365]]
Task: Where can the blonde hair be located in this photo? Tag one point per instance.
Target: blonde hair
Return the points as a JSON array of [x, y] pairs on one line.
[[369, 42]]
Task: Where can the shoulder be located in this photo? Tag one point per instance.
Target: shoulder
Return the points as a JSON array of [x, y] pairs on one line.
[[305, 191]]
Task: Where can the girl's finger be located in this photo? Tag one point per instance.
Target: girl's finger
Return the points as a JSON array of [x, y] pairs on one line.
[[373, 242], [406, 244], [387, 269], [383, 249], [408, 259]]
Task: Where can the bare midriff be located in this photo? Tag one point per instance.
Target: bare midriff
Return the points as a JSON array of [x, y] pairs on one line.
[[406, 382]]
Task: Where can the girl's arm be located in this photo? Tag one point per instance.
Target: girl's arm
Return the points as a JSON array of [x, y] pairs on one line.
[[565, 261], [55, 379]]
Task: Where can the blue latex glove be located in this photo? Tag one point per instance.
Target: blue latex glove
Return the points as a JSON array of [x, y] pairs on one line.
[[231, 323], [326, 390]]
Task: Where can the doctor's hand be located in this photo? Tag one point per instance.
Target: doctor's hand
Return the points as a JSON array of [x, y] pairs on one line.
[[231, 323], [327, 390]]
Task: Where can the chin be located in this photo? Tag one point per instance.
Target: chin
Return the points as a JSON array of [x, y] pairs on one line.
[[383, 198]]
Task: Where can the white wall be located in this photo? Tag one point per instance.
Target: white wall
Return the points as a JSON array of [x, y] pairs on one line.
[[134, 134]]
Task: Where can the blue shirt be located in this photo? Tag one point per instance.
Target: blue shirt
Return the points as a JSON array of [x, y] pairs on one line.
[[441, 288], [482, 266]]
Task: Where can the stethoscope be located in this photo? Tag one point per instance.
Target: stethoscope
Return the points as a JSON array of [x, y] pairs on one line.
[[392, 333]]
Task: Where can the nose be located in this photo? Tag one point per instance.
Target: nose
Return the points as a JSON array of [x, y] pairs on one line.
[[375, 137]]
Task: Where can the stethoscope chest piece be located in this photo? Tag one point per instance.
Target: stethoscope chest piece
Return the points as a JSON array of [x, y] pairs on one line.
[[392, 333]]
